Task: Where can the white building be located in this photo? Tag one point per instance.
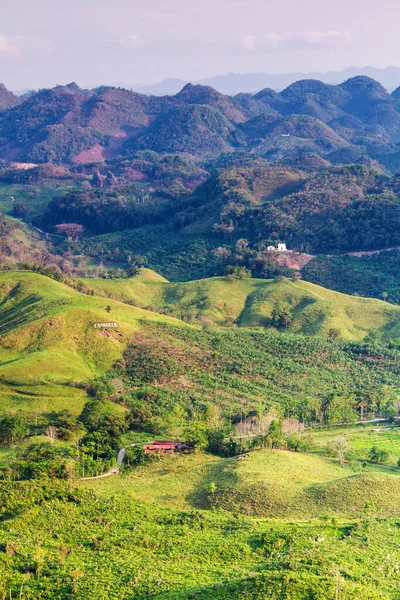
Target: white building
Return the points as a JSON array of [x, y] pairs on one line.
[[282, 248]]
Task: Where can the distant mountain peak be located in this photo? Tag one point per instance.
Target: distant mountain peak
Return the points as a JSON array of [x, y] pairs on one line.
[[235, 83], [197, 93], [364, 85], [7, 98], [74, 87]]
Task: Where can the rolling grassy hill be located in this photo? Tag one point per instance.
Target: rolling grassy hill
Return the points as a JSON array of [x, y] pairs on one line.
[[50, 350], [282, 525], [48, 340], [60, 542], [277, 484], [250, 302]]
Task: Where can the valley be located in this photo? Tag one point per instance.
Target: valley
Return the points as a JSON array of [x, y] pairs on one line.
[[148, 303]]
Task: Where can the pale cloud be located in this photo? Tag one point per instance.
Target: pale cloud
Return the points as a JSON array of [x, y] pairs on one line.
[[188, 39], [273, 41], [306, 39], [34, 44], [17, 46], [133, 41], [248, 42], [7, 48]]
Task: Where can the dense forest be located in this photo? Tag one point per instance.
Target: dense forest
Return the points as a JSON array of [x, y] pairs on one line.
[[197, 184]]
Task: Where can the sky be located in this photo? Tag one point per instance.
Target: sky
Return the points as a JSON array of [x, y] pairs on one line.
[[92, 42]]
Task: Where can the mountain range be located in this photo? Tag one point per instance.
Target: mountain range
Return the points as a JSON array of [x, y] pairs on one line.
[[200, 182], [236, 83], [356, 121]]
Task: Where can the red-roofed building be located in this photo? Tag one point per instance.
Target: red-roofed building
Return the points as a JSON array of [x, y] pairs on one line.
[[164, 446]]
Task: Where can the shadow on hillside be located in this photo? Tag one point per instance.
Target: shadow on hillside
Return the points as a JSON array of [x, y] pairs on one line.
[[310, 315], [350, 494], [222, 474], [18, 314], [251, 315]]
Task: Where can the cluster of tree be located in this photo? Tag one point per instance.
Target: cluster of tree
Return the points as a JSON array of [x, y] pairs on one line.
[[99, 446], [96, 433], [39, 461], [240, 259], [378, 455], [375, 276], [365, 224], [366, 402], [171, 175], [102, 211], [227, 442], [12, 428], [336, 209], [281, 315]]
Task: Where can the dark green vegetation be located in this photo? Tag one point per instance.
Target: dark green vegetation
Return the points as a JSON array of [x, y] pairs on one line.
[[193, 184], [230, 219], [164, 369], [66, 124], [376, 276]]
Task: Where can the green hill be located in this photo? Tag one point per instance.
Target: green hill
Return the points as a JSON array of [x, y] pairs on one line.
[[50, 349], [273, 484], [249, 303], [376, 275], [48, 339], [155, 521], [294, 485], [58, 542]]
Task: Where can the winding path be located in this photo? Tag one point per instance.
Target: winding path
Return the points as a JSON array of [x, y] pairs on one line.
[[120, 458]]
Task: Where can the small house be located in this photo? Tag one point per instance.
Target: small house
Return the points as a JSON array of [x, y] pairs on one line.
[[164, 447], [282, 248]]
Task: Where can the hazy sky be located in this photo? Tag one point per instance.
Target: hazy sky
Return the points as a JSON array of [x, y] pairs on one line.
[[45, 42]]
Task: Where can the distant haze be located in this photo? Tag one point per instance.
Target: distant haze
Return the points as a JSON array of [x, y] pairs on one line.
[[46, 42], [235, 83]]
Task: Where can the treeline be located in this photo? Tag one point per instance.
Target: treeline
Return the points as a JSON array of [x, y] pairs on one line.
[[367, 224], [337, 210], [101, 211], [376, 276], [76, 447], [169, 377]]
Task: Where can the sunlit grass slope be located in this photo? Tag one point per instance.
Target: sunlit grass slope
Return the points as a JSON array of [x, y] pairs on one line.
[[49, 346], [250, 302], [48, 339], [63, 543], [268, 483]]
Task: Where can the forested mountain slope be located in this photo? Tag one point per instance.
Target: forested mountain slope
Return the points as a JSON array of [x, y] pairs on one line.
[[67, 125]]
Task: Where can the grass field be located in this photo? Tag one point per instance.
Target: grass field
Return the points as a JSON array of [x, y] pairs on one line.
[[249, 303], [48, 342], [277, 483], [362, 438], [49, 348], [35, 196], [64, 543]]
